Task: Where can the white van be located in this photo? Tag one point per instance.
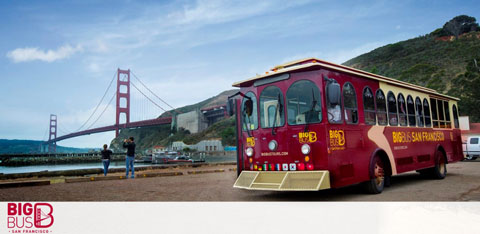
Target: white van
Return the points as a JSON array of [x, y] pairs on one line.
[[472, 148]]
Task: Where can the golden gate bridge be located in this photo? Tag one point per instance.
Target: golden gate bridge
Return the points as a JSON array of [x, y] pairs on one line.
[[123, 110]]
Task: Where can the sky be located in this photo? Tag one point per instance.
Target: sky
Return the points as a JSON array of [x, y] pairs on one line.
[[59, 57]]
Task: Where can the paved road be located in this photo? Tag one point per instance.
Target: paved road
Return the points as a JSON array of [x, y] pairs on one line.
[[461, 184]]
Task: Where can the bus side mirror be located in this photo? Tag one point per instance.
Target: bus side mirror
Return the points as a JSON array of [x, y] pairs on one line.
[[333, 92], [230, 107]]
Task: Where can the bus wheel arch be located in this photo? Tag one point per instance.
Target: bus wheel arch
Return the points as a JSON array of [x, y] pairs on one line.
[[380, 171], [439, 171]]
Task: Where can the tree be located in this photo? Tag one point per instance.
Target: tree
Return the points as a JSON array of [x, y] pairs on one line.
[[466, 88], [461, 24]]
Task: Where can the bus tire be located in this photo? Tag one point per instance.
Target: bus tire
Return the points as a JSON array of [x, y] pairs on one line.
[[377, 182], [440, 170], [470, 157]]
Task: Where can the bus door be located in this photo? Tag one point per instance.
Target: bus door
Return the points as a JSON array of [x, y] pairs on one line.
[[344, 138]]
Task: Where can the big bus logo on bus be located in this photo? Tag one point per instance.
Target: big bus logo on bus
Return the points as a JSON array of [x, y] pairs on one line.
[[337, 139], [307, 137], [21, 216], [250, 141]]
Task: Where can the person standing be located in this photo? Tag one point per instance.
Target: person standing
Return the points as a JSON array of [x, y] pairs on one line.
[[106, 157], [130, 159]]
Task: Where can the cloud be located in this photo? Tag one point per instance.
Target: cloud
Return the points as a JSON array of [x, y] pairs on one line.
[[28, 54]]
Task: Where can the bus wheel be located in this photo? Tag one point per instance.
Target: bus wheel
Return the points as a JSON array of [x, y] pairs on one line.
[[440, 169], [376, 184], [470, 157]]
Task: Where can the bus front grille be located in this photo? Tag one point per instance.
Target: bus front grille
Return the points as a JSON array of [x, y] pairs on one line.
[[283, 180]]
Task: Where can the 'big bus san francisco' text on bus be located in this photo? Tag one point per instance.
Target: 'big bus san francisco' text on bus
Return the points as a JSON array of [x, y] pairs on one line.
[[312, 125]]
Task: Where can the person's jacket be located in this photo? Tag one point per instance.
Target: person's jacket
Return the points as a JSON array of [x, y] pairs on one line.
[[106, 154], [130, 148]]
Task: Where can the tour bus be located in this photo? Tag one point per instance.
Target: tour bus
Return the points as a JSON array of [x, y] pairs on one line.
[[309, 125]]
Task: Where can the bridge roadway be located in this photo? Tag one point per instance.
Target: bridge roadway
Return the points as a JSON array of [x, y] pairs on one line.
[[144, 123]]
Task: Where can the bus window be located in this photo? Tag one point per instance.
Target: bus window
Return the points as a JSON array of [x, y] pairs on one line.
[[249, 112], [271, 107], [350, 103], [455, 116], [392, 109], [426, 111], [418, 105], [411, 111], [441, 113], [433, 102], [448, 124], [369, 106], [334, 108], [303, 103], [381, 108], [402, 110]]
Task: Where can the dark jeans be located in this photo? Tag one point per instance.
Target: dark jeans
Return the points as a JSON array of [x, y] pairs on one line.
[[106, 163]]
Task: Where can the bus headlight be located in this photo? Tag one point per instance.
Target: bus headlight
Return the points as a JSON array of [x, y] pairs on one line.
[[249, 151], [272, 145], [305, 149]]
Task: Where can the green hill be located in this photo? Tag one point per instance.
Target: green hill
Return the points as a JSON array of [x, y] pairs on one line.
[[31, 147], [444, 60]]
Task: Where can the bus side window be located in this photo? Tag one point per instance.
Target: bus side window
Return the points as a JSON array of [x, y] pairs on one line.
[[418, 105], [392, 109], [455, 116], [448, 124], [426, 111], [402, 110], [333, 94], [433, 102], [369, 106], [381, 108], [441, 113], [350, 103], [249, 112], [411, 111]]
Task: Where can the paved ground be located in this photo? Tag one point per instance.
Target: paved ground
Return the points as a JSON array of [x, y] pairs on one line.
[[461, 184]]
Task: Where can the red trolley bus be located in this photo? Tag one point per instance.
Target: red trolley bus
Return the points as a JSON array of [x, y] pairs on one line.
[[311, 125]]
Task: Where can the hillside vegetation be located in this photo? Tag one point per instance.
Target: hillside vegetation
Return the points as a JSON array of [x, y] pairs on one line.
[[32, 147], [438, 60]]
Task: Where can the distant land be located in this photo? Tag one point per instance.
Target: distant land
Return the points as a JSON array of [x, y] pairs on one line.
[[31, 146]]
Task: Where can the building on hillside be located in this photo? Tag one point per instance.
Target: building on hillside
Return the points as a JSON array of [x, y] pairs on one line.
[[212, 145], [192, 121], [214, 114], [158, 149], [179, 146]]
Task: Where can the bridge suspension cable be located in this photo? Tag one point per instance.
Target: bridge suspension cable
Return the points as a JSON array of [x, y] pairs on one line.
[[154, 103], [106, 107], [98, 105], [173, 108]]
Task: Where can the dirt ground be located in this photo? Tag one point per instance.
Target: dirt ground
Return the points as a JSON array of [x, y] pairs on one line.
[[461, 184]]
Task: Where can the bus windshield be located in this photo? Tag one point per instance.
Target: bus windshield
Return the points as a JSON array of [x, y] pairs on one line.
[[271, 111], [303, 103]]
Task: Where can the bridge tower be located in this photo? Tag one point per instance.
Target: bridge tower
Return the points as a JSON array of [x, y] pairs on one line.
[[123, 97], [52, 147]]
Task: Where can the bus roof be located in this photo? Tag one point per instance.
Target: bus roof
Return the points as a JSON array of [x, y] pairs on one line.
[[314, 62]]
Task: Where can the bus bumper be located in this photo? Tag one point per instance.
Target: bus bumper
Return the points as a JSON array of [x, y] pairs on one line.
[[283, 180]]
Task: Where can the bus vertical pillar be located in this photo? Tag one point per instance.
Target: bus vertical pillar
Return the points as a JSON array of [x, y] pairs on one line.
[[238, 132], [52, 146], [123, 97]]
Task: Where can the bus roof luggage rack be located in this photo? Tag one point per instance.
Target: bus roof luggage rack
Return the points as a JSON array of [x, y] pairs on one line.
[[283, 180]]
